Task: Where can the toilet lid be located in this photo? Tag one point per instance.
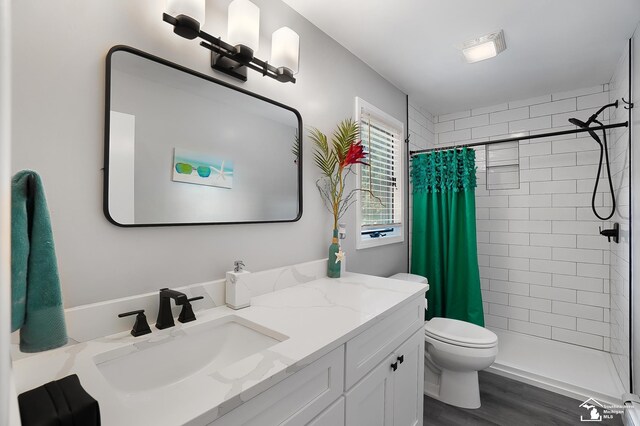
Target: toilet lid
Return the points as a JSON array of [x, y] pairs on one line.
[[460, 333]]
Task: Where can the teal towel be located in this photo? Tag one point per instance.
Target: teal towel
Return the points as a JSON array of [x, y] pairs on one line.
[[35, 288]]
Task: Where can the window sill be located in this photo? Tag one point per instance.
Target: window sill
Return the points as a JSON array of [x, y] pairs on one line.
[[366, 242]]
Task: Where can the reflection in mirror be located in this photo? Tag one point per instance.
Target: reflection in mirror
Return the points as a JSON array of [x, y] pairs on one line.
[[184, 148]]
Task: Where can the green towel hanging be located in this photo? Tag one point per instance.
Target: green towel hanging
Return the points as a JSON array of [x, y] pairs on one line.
[[36, 296]]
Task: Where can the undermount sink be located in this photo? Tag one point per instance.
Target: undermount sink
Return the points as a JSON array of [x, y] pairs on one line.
[[168, 359]]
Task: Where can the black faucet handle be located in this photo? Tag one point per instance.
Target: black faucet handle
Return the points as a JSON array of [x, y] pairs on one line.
[[186, 314], [141, 326]]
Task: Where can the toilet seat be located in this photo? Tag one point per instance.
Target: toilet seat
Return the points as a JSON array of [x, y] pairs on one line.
[[460, 333]]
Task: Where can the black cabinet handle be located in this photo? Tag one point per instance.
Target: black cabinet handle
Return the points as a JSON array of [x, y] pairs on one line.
[[141, 326], [401, 359], [394, 366]]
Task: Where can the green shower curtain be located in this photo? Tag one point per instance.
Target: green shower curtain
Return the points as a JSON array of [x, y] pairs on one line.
[[444, 247]]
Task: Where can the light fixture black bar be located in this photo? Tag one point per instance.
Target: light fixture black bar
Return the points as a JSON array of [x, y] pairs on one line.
[[522, 138], [220, 47]]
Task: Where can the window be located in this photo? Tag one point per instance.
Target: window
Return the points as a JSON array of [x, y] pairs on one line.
[[379, 201]]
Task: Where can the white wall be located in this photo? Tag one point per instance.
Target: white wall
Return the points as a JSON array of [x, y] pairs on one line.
[[60, 48], [619, 253], [544, 268]]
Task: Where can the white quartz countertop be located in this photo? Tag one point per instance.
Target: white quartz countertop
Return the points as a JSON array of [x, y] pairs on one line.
[[317, 317]]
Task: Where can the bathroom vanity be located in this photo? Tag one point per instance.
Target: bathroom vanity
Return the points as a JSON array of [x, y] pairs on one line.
[[326, 352]]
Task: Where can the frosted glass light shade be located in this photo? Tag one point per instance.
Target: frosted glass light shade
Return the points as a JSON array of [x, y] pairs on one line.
[[480, 52], [244, 24], [192, 8], [285, 49]]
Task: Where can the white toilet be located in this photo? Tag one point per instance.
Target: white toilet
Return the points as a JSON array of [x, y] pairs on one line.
[[454, 353]]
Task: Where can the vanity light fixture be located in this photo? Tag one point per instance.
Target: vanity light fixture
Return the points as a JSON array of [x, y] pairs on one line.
[[485, 47], [238, 54]]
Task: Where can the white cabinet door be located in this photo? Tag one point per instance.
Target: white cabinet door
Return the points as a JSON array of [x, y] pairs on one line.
[[370, 402], [408, 382], [332, 416]]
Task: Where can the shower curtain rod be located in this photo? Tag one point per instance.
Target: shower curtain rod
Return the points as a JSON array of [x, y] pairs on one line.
[[520, 138]]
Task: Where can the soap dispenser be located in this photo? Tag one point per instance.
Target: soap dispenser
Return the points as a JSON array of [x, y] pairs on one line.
[[237, 292]]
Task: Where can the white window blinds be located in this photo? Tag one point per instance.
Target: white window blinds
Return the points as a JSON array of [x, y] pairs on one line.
[[381, 198]]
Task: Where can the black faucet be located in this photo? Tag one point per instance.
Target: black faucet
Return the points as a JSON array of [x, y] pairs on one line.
[[165, 316]]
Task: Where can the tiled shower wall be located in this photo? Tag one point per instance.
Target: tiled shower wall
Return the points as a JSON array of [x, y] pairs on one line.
[[619, 268], [544, 267]]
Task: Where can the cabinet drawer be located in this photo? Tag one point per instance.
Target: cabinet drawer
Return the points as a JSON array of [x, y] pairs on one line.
[[332, 416], [297, 399], [372, 346]]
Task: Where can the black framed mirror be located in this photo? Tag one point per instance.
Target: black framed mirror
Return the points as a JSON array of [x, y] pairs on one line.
[[183, 148]]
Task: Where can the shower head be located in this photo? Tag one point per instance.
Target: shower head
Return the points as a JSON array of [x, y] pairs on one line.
[[584, 125]]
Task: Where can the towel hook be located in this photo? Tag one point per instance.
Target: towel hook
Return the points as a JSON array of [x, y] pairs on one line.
[[630, 104]]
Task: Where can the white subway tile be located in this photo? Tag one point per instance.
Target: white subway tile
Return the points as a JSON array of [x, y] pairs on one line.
[[509, 263], [577, 255], [594, 327], [510, 287], [577, 92], [495, 297], [490, 109], [502, 201], [482, 236], [574, 172], [509, 312], [523, 190], [593, 270], [535, 175], [553, 187], [491, 130], [474, 121], [492, 225], [586, 185], [578, 283], [553, 160], [593, 299], [556, 107], [530, 252], [530, 277], [535, 148], [595, 100], [453, 116], [447, 126], [562, 119], [593, 242], [529, 201], [532, 303], [553, 320], [553, 213], [577, 227], [494, 249], [509, 238], [530, 124], [494, 273], [553, 266], [577, 338], [509, 213], [554, 240], [588, 157], [530, 101], [553, 293], [571, 200], [509, 115], [495, 322], [575, 310], [532, 226], [530, 328], [455, 136], [574, 144]]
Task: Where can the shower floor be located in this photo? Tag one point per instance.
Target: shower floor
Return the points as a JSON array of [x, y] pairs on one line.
[[567, 369]]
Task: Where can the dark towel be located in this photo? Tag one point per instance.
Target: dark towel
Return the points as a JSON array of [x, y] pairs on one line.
[[35, 289], [62, 402]]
